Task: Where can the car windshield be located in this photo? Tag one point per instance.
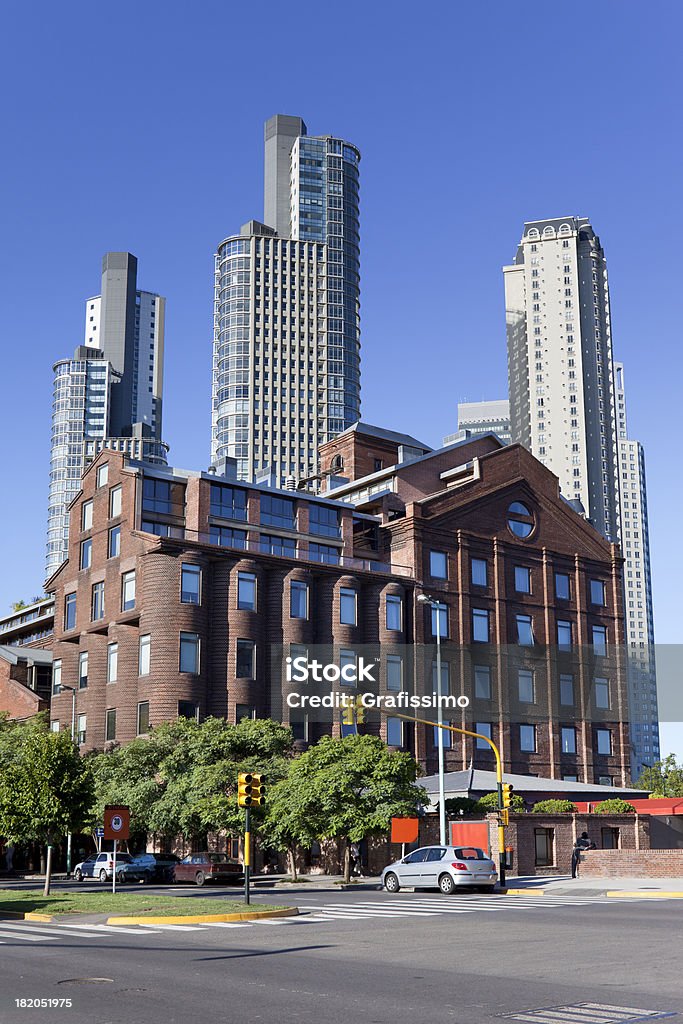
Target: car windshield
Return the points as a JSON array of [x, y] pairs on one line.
[[217, 858], [470, 853], [124, 858]]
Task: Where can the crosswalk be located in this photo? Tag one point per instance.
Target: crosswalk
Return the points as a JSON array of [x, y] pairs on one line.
[[312, 913]]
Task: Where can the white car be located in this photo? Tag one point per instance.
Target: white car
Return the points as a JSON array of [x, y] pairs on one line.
[[443, 867]]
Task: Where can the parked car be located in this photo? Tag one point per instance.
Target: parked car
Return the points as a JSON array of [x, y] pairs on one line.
[[129, 871], [208, 867], [156, 867], [100, 866], [444, 867]]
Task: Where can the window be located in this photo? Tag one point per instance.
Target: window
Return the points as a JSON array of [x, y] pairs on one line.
[[156, 496], [54, 725], [190, 583], [244, 711], [246, 591], [112, 662], [127, 591], [298, 599], [482, 682], [299, 727], [440, 620], [598, 592], [604, 738], [271, 544], [605, 780], [562, 591], [568, 739], [115, 501], [86, 515], [447, 738], [114, 545], [144, 655], [602, 693], [189, 653], [323, 553], [56, 677], [86, 553], [522, 579], [570, 778], [564, 635], [394, 732], [609, 837], [445, 678], [394, 672], [544, 842], [245, 664], [438, 565], [103, 474], [485, 729], [525, 684], [520, 519], [228, 502], [324, 521], [567, 690], [527, 738], [226, 537], [600, 640], [394, 612], [480, 625], [278, 512], [70, 611], [143, 718], [81, 728], [82, 670], [347, 607], [525, 630], [479, 574], [97, 604], [110, 725], [188, 709]]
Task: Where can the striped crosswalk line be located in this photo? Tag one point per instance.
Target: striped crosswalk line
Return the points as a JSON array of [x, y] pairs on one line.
[[586, 1013]]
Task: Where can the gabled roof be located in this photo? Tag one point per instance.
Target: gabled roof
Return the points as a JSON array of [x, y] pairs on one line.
[[359, 427], [32, 655], [474, 780]]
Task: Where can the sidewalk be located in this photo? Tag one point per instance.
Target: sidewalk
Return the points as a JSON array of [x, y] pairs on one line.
[[566, 885]]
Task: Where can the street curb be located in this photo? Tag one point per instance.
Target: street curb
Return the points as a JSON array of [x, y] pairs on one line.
[[249, 915], [357, 886], [521, 892], [640, 894], [31, 915]]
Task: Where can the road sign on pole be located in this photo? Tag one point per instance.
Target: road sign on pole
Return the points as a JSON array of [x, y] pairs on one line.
[[116, 822]]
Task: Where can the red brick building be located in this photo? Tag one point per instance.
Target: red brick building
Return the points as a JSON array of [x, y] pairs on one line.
[[25, 677], [180, 585]]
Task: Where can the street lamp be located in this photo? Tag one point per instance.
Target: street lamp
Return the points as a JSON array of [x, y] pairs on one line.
[[436, 605], [73, 739]]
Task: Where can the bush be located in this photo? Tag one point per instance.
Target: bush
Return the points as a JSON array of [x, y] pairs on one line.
[[614, 806], [555, 807], [460, 803], [489, 803]]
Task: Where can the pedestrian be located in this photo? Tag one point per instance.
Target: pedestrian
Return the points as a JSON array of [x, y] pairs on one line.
[[354, 855], [580, 844]]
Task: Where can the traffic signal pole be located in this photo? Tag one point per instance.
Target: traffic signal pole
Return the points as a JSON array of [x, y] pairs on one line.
[[499, 779], [247, 854]]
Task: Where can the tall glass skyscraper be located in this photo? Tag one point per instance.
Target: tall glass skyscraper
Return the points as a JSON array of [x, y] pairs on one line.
[[109, 395], [286, 359]]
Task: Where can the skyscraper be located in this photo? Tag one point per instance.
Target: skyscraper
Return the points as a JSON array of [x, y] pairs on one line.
[[482, 418], [286, 353], [109, 394], [564, 396]]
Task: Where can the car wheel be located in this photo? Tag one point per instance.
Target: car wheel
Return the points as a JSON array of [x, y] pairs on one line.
[[103, 875], [78, 875], [391, 883], [447, 885], [200, 878]]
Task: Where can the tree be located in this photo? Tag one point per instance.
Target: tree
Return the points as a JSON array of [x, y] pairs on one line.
[[458, 805], [489, 803], [343, 789], [46, 790], [555, 807], [664, 778], [614, 806], [16, 606]]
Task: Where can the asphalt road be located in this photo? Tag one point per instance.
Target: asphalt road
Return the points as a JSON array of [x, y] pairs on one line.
[[359, 961]]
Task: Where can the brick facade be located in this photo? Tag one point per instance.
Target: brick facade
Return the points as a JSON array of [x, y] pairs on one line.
[[629, 863]]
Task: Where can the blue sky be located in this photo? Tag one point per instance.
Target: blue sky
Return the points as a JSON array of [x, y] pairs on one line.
[[140, 127]]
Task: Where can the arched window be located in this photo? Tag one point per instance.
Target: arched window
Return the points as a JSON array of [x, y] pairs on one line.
[[565, 229], [532, 234], [548, 232], [337, 463]]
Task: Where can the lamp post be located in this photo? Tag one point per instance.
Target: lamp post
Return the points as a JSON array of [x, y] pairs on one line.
[[73, 738], [436, 606]]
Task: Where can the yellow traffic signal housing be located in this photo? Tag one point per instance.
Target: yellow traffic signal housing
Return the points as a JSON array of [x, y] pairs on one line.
[[505, 817], [258, 791], [251, 791], [348, 713], [507, 794], [360, 710]]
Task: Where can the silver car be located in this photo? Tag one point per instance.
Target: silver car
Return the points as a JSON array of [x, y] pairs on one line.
[[443, 867]]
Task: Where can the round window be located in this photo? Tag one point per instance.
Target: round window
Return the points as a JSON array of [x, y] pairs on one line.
[[520, 520]]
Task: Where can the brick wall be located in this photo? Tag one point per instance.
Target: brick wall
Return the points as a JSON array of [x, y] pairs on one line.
[[16, 699], [632, 864]]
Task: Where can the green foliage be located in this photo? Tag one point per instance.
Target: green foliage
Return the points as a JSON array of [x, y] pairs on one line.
[[490, 803], [182, 780], [664, 778], [460, 803], [555, 807], [614, 806]]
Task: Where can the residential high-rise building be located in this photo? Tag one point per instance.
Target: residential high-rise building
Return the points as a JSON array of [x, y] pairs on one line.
[[567, 407], [286, 351], [110, 394], [482, 418]]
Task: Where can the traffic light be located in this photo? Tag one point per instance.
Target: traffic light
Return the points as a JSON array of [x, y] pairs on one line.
[[360, 710], [348, 713], [353, 711], [507, 794], [250, 790]]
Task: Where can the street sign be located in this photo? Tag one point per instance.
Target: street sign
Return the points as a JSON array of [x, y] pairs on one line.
[[99, 832], [116, 822]]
